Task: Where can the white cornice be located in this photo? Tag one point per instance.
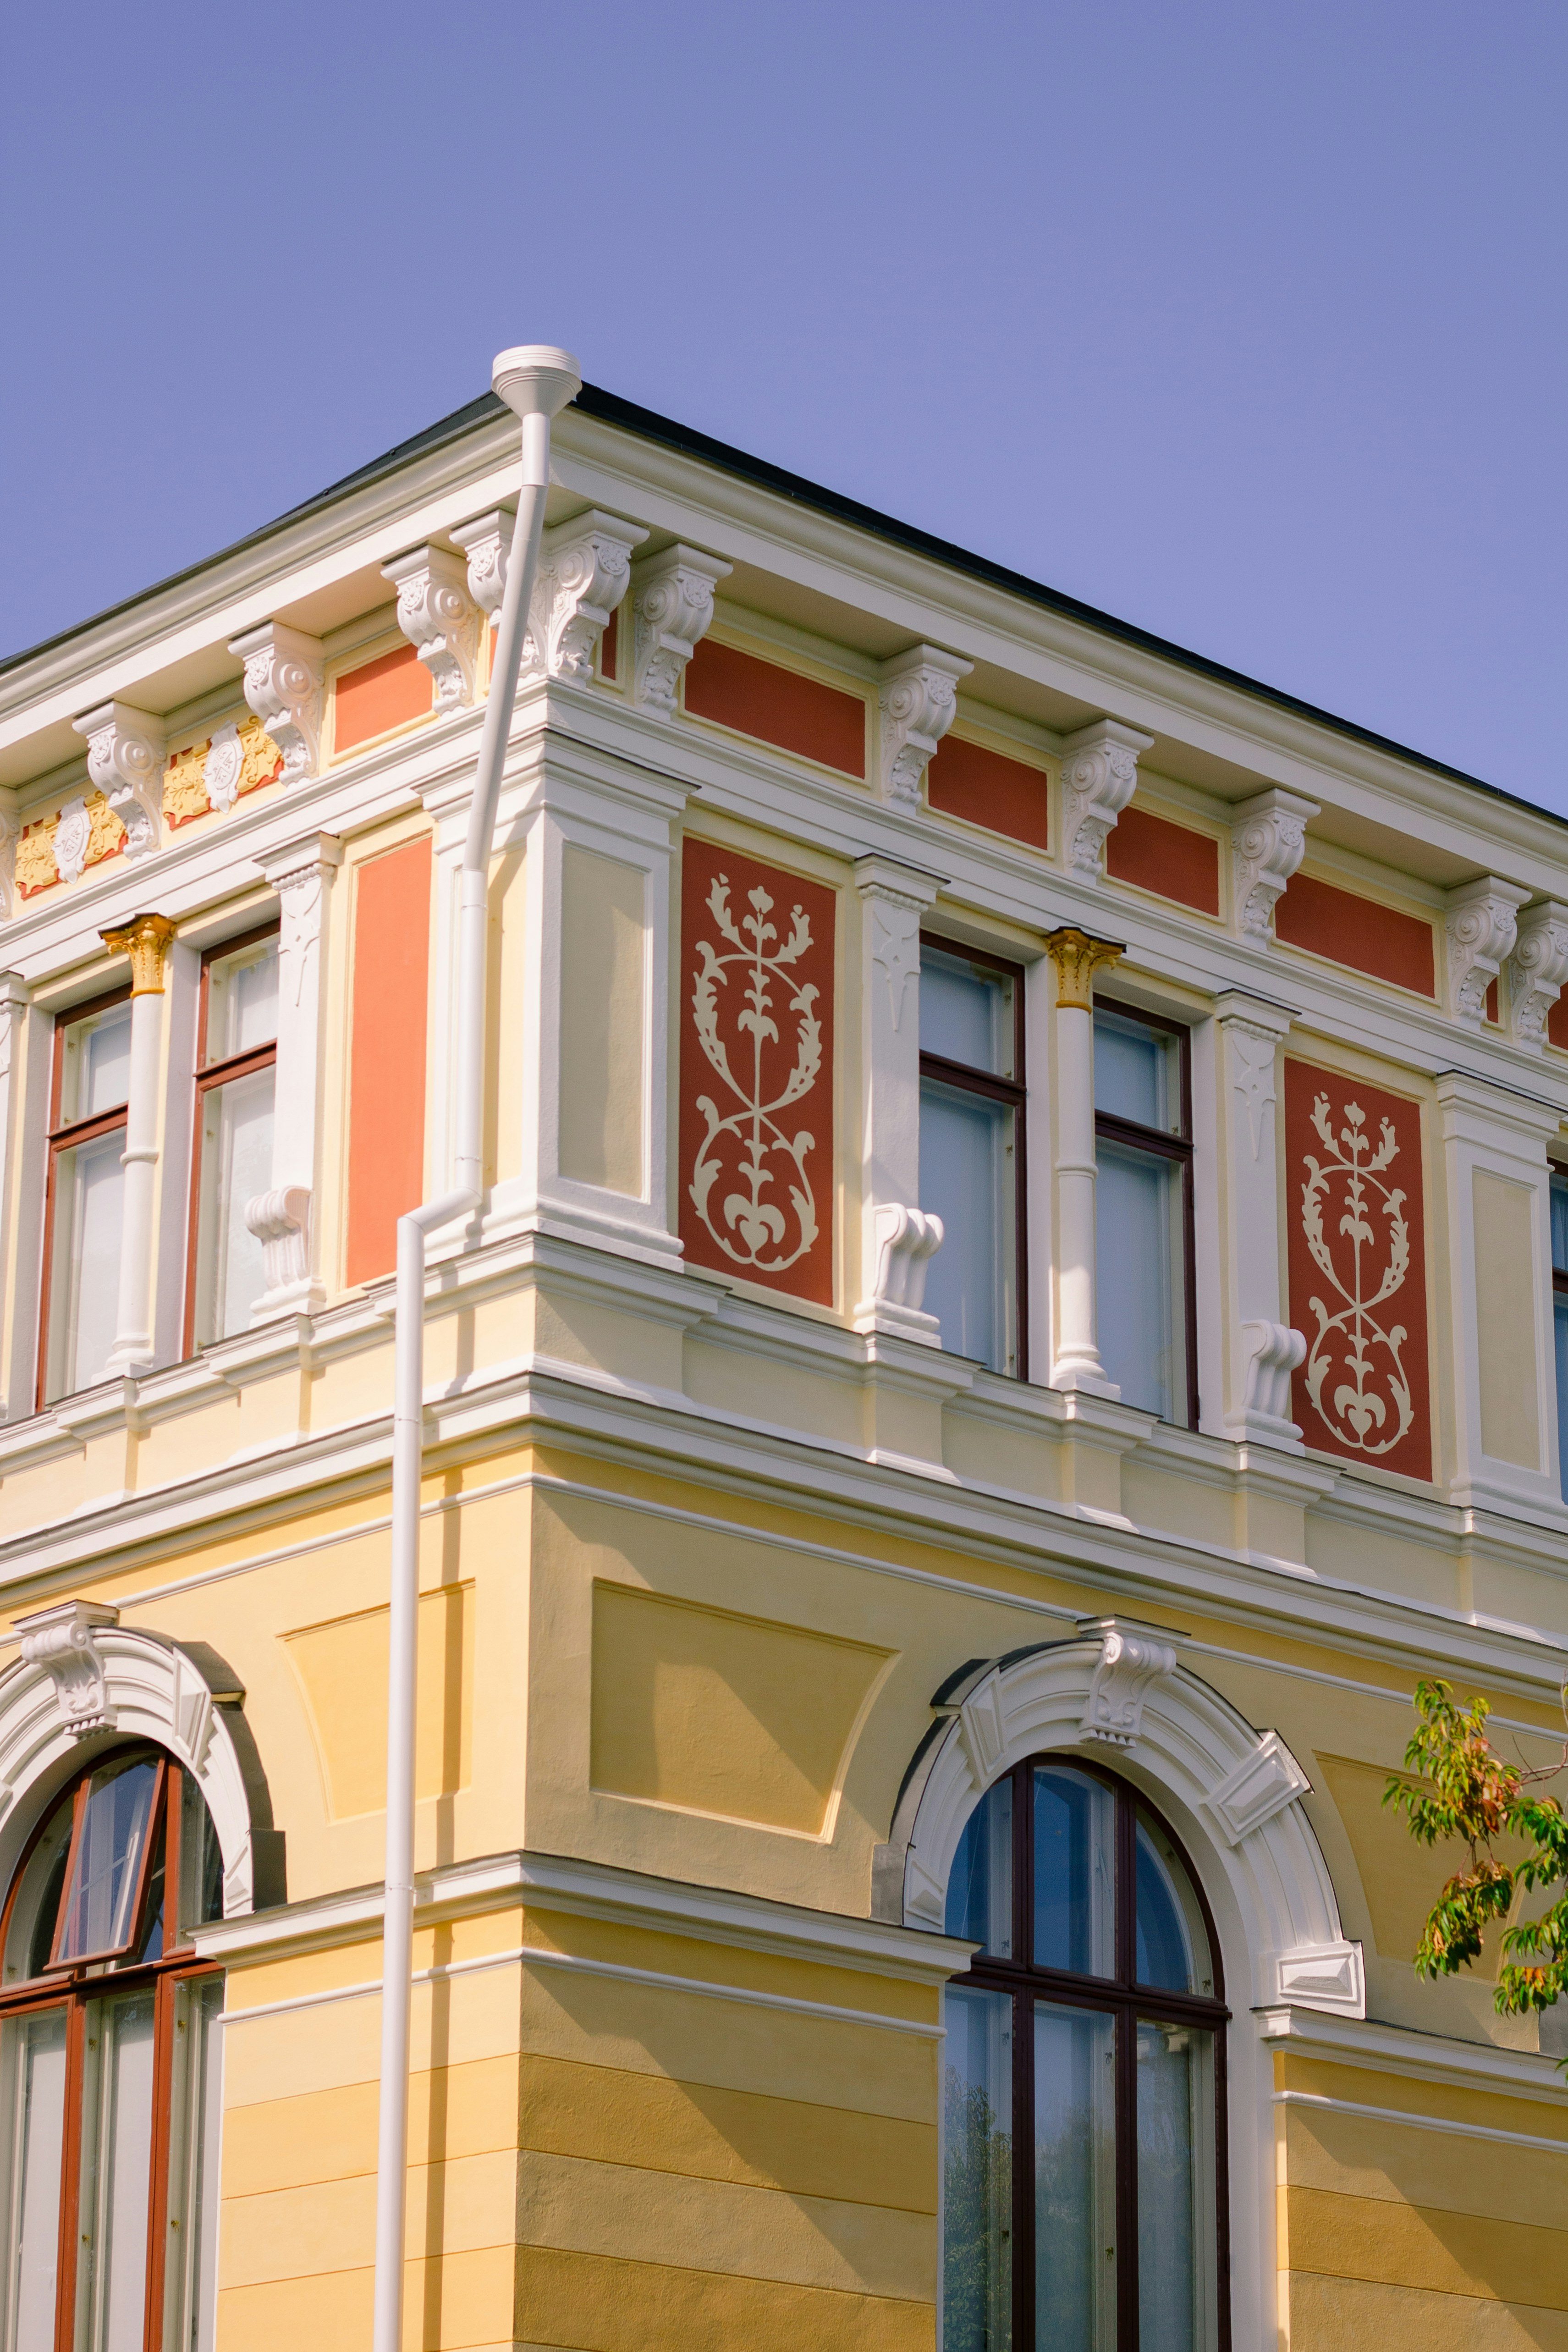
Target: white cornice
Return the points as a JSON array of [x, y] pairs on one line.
[[1402, 2049]]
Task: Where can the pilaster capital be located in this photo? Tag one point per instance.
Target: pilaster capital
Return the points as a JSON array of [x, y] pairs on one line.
[[125, 750], [144, 940], [1536, 971], [585, 567], [487, 541], [293, 865], [877, 877], [1474, 1110], [1482, 917], [1099, 777], [1267, 842], [1077, 956], [1238, 1009], [440, 619], [286, 686], [917, 695], [672, 607]]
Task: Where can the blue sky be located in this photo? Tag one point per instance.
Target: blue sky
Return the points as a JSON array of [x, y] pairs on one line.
[[1243, 322]]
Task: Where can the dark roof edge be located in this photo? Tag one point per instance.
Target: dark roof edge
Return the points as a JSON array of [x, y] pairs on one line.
[[610, 408]]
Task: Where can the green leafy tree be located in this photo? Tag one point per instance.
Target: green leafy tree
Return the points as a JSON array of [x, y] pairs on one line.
[[1467, 1791]]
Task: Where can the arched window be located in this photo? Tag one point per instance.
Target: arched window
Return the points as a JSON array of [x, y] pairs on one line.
[[1084, 2109], [108, 2064]]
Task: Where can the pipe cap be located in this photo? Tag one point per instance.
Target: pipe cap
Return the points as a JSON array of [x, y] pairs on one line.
[[536, 379]]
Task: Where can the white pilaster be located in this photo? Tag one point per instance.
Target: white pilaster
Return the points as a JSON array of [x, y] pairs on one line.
[[286, 686], [1267, 842], [15, 997], [144, 940], [301, 872], [10, 834], [1483, 919], [897, 1238], [1261, 1350], [917, 696], [671, 606], [585, 566], [125, 761], [1075, 1363], [1536, 971], [440, 619], [1099, 777]]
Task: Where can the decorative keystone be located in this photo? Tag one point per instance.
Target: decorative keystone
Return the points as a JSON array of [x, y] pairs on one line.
[[487, 541], [1482, 922], [1254, 1790], [125, 761], [672, 607], [585, 566], [1536, 971], [1267, 842], [144, 940], [917, 697], [1099, 777], [440, 619], [1130, 1658], [1077, 956], [64, 1641], [286, 686]]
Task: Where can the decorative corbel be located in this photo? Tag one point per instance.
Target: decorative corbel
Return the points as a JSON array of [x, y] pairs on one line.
[[906, 1241], [63, 1641], [671, 606], [1275, 1352], [1482, 921], [487, 541], [281, 1224], [1267, 842], [585, 566], [286, 686], [1536, 971], [1131, 1657], [917, 696], [440, 620], [1254, 1790], [1099, 777], [125, 761]]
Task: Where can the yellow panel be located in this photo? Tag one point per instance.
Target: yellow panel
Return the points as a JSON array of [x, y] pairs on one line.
[[343, 1666], [720, 1714], [603, 949], [463, 2300], [585, 2300], [1360, 2155], [462, 2207], [1400, 1879], [1505, 1319], [1422, 2246], [330, 2134], [1329, 2315]]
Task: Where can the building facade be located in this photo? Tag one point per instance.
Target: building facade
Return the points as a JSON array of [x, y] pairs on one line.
[[1014, 1314]]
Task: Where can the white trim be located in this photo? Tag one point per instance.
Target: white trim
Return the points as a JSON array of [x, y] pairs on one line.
[[1419, 2122], [1387, 2049]]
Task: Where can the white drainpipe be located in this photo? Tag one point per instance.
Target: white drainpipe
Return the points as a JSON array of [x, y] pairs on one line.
[[536, 381]]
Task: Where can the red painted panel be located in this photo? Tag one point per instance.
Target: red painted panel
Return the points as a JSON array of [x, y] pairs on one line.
[[379, 695], [1357, 1269], [1557, 1025], [1357, 932], [1171, 859], [386, 1058], [757, 1072], [987, 788], [610, 646], [777, 705]]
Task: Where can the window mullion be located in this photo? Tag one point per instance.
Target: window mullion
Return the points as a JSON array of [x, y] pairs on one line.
[[71, 2179], [1023, 2062], [164, 1990]]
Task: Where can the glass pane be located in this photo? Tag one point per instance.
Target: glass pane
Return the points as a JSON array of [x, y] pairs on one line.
[[90, 1190], [95, 1064], [1074, 1872], [201, 1861], [236, 1164], [1140, 1277], [116, 1822], [1177, 2289], [967, 1176], [191, 2270], [242, 1001], [116, 2175], [32, 2136], [980, 1890], [966, 1013], [978, 2172], [1173, 1942], [1560, 1334], [30, 1938], [1137, 1071], [1074, 2181], [1559, 1225]]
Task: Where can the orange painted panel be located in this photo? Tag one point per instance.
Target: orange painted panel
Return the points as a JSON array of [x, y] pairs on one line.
[[1171, 859], [379, 695], [1357, 1269], [1357, 932], [777, 705], [386, 1059], [757, 1072], [988, 788]]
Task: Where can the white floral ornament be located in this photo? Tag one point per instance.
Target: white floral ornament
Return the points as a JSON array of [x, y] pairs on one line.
[[222, 768], [73, 837], [1357, 1413]]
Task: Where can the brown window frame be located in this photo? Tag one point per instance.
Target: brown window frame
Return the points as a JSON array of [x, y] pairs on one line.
[[60, 1141], [1014, 1092], [73, 1985], [1125, 2000], [220, 1073], [1177, 1147]]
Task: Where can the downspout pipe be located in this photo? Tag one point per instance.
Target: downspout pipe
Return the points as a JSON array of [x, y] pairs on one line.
[[535, 381]]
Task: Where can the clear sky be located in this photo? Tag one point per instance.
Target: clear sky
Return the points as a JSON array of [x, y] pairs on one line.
[[1244, 322]]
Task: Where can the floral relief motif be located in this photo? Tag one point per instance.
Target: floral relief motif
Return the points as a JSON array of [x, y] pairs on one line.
[[58, 848], [218, 770]]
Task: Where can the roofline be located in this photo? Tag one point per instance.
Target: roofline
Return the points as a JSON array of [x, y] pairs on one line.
[[610, 408]]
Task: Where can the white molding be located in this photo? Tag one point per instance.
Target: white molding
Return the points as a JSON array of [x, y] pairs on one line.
[[300, 872], [1385, 2049], [1260, 1350], [1412, 2119]]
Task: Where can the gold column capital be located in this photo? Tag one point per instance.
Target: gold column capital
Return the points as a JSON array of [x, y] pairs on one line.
[[1076, 955], [143, 938]]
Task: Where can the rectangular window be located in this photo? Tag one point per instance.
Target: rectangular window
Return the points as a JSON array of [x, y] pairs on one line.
[[1560, 1315], [1143, 1255], [972, 1151], [237, 1046], [84, 1195]]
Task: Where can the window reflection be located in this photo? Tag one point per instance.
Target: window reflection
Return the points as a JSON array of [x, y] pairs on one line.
[[980, 1889], [1074, 1818], [107, 1871]]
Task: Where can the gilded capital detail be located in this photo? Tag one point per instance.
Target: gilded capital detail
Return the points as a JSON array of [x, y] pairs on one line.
[[1077, 956], [144, 940]]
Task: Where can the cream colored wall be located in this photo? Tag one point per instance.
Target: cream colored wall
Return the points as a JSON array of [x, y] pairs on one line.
[[603, 1014], [1508, 1291]]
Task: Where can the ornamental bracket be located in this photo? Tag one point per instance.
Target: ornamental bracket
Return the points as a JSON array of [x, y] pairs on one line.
[[125, 761], [1131, 1656], [63, 1641]]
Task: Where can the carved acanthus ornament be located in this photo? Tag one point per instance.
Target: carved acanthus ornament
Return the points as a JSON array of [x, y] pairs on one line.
[[917, 697], [1483, 919], [1130, 1658], [672, 607], [1099, 777], [895, 944], [1077, 957], [145, 940], [1267, 842], [440, 619], [125, 763], [214, 773], [63, 1641], [1536, 971], [286, 686], [585, 566], [487, 542]]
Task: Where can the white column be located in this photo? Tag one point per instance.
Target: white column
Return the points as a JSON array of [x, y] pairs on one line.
[[1076, 1361], [15, 997], [144, 940], [897, 1239], [1261, 1350], [301, 872]]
